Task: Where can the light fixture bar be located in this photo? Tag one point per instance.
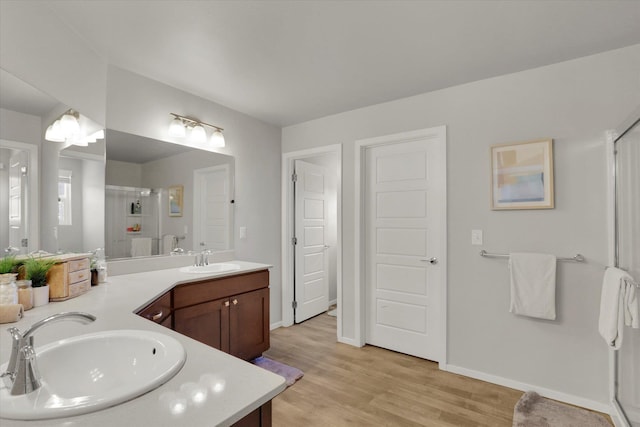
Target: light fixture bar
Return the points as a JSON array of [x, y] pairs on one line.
[[194, 122]]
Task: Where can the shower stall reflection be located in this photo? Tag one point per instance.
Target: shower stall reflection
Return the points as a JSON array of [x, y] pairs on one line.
[[132, 221]]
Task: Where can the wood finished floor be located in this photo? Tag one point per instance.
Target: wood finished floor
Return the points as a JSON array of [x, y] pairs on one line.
[[348, 386]]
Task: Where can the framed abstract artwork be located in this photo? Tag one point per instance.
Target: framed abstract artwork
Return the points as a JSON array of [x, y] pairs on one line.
[[522, 175], [175, 200]]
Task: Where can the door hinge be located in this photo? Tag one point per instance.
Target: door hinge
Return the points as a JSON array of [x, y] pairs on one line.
[[294, 177], [294, 304], [294, 241]]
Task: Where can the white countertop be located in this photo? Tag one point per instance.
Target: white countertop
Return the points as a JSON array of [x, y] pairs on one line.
[[235, 387]]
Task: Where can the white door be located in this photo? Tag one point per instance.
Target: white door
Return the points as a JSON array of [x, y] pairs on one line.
[[311, 288], [404, 237], [212, 227]]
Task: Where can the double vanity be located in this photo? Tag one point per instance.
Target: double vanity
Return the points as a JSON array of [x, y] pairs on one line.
[[218, 315]]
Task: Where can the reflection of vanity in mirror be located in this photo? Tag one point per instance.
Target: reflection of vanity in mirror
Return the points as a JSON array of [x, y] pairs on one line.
[[114, 194]]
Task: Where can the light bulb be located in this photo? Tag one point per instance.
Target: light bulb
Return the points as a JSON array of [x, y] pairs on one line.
[[217, 139], [176, 128], [198, 134], [53, 133], [69, 125]]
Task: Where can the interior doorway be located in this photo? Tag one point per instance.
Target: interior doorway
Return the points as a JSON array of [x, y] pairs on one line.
[[329, 159], [400, 207]]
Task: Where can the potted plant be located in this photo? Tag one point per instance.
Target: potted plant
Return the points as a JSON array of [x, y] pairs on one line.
[[8, 264], [36, 269], [8, 290]]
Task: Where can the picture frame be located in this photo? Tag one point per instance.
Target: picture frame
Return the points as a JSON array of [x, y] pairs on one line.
[[175, 200], [522, 175]]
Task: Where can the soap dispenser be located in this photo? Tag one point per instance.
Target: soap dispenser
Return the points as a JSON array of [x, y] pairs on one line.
[[138, 207]]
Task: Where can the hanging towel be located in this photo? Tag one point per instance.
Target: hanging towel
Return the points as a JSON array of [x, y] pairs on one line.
[[533, 285], [141, 246], [168, 243], [618, 306]]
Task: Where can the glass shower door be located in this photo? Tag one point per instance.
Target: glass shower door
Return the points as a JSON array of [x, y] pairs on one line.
[[628, 217]]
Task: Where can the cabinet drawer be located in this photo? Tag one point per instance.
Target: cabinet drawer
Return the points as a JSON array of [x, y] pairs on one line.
[[159, 310], [212, 289], [78, 264], [64, 292], [78, 288], [79, 276]]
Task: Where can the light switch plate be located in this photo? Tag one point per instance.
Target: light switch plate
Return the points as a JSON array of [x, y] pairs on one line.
[[243, 232], [476, 237]]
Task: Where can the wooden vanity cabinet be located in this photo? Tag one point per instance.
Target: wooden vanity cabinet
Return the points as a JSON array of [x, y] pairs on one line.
[[249, 324], [230, 313], [207, 322]]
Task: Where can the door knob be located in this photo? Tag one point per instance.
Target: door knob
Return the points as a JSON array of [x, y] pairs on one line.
[[433, 260]]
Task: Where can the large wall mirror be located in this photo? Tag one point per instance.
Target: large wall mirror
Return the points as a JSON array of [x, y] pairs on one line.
[[161, 197], [131, 195]]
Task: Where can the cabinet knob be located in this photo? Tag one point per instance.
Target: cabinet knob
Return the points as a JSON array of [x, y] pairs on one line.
[[226, 303], [235, 302], [155, 316]]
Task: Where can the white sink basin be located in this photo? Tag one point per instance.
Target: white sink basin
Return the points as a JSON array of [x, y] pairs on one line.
[[211, 268], [90, 372]]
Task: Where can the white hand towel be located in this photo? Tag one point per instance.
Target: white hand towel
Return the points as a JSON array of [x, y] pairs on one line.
[[618, 306], [141, 246], [533, 285]]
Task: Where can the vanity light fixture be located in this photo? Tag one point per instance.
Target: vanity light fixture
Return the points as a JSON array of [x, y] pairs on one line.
[[197, 133], [67, 128]]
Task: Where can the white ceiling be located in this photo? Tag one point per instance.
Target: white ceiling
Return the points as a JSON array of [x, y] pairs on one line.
[[286, 62]]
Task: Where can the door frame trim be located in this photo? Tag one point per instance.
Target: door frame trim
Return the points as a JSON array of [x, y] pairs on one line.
[[439, 134], [288, 160]]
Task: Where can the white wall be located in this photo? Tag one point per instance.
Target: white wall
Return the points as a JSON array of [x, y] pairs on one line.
[[573, 102], [93, 175], [38, 48], [123, 173]]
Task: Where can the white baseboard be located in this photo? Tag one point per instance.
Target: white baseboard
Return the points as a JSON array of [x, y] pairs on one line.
[[619, 420], [551, 394], [275, 325], [333, 302], [349, 341]]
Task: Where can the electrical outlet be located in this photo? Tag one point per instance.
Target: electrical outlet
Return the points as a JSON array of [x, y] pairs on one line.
[[476, 237]]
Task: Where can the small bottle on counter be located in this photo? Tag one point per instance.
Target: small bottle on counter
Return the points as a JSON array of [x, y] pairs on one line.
[[25, 294], [8, 289]]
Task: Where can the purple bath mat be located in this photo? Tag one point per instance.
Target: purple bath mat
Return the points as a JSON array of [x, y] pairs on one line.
[[289, 373]]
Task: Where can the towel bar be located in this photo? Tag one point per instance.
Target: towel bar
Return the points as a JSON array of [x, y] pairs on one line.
[[576, 257]]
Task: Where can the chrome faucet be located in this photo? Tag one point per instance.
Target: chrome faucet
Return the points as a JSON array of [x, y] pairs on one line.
[[22, 374], [202, 258]]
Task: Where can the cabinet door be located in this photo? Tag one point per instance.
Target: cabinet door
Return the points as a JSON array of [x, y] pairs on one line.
[[207, 323], [249, 324]]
